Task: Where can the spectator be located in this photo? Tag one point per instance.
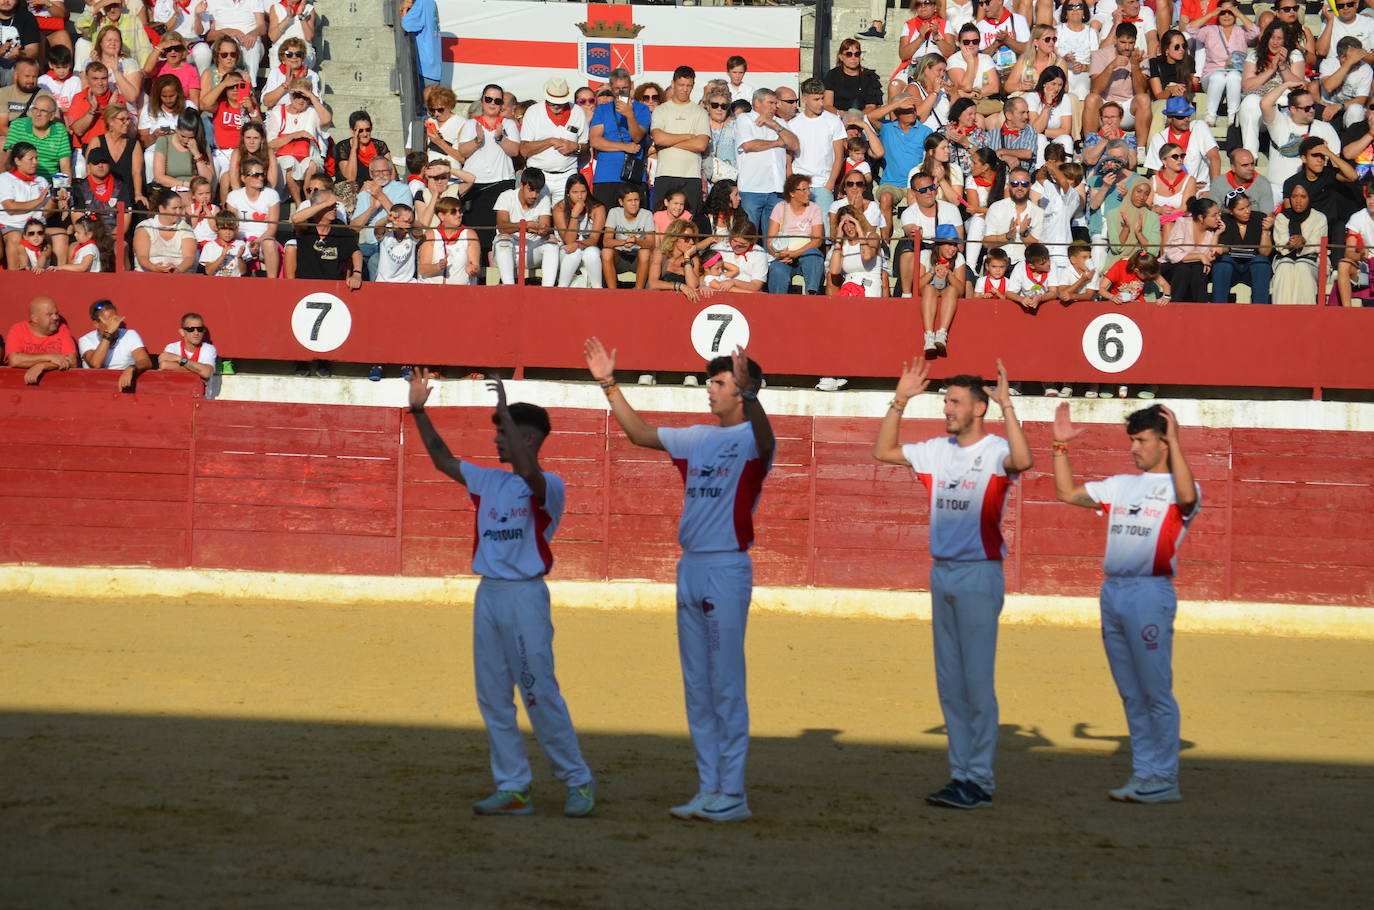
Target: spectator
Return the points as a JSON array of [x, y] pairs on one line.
[[100, 192], [291, 66], [1029, 283], [1289, 16], [673, 207], [721, 163], [925, 215], [1172, 185], [1345, 83], [528, 203], [112, 346], [1077, 44], [628, 238], [258, 208], [60, 81], [375, 200], [19, 95], [972, 74], [1005, 35], [451, 253], [182, 155], [1352, 270], [1346, 23], [619, 134], [796, 231], [226, 94], [44, 130], [1298, 232], [121, 58], [856, 260], [855, 189], [169, 58], [849, 86], [118, 141], [1330, 182], [961, 131], [41, 344], [1130, 279], [1242, 179], [579, 220], [1075, 281], [681, 132], [165, 104], [325, 251], [1191, 250], [21, 28], [193, 353], [442, 126], [191, 21], [1288, 131], [925, 33], [201, 210], [1061, 196], [1040, 54], [294, 130], [1134, 225], [674, 267], [252, 147], [226, 254], [927, 86], [552, 135], [23, 195], [93, 248], [763, 144], [904, 142], [489, 142], [820, 143], [353, 157], [1225, 42], [1129, 12], [743, 252], [34, 247], [397, 246], [1117, 77], [1050, 110], [987, 182], [420, 19], [877, 11], [164, 243], [1109, 131], [649, 94], [1274, 64], [949, 180], [718, 213], [735, 68], [992, 281], [1014, 221], [940, 285], [245, 22], [1201, 157], [293, 19], [85, 116], [1171, 73], [1246, 234], [440, 182]]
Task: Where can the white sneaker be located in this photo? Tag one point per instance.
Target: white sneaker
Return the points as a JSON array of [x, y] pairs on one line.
[[1123, 392], [1123, 793], [1156, 790], [689, 808], [691, 379], [1210, 120], [647, 379], [724, 808], [1090, 391], [1051, 391], [831, 384], [1066, 391], [930, 342], [1014, 388], [941, 341]]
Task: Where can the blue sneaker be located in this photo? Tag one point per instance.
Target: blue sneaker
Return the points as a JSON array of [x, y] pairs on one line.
[[505, 802], [375, 374], [960, 794], [581, 800]]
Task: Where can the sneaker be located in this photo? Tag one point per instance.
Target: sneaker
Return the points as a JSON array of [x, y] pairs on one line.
[[1156, 790], [691, 379], [689, 808], [226, 368], [1066, 391], [647, 379], [322, 369], [724, 808], [581, 801], [375, 374], [1147, 393], [1210, 120], [930, 342], [1090, 392], [505, 802], [1123, 392], [302, 369], [1123, 793], [960, 794], [1014, 388], [831, 384], [1051, 391], [407, 372], [941, 341], [872, 34]]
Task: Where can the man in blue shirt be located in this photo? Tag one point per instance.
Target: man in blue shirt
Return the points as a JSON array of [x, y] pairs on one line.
[[619, 128], [903, 150], [420, 19]]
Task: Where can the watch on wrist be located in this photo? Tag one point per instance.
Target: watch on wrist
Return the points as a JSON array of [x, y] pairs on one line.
[[184, 361]]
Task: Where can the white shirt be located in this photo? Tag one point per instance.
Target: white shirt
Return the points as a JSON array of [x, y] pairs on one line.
[[1362, 28], [253, 214], [722, 476], [1144, 526], [276, 76], [235, 14], [509, 202], [1194, 156], [1356, 84], [62, 92], [538, 125], [1362, 223], [998, 220], [1103, 16], [395, 259], [816, 137], [12, 189], [119, 354], [513, 528], [489, 163], [945, 213], [752, 263], [1080, 44], [1059, 208], [282, 121], [759, 172], [1284, 131], [744, 90], [872, 213], [454, 254], [865, 272], [85, 251], [206, 353], [1022, 280], [1066, 276], [968, 490], [1062, 108], [229, 268], [1011, 24]]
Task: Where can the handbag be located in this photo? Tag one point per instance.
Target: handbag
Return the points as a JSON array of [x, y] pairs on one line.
[[722, 170], [632, 169]]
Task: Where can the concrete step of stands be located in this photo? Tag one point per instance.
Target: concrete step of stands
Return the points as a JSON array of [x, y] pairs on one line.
[[357, 57]]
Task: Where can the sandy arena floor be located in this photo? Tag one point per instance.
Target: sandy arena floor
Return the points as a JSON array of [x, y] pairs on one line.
[[216, 754]]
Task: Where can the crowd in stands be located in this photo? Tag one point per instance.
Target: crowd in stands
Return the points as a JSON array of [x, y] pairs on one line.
[[1030, 150]]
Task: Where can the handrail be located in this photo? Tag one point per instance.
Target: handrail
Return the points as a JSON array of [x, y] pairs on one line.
[[405, 79]]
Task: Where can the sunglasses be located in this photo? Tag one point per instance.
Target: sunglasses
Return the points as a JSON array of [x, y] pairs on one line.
[[859, 183], [1018, 183], [1073, 6], [851, 53], [1288, 9], [175, 49], [1309, 107], [1050, 40], [973, 43], [1345, 6], [193, 328], [787, 100], [33, 233], [255, 174], [292, 54], [227, 55], [718, 105], [607, 95], [1174, 155], [486, 99], [586, 101], [437, 110], [925, 189]]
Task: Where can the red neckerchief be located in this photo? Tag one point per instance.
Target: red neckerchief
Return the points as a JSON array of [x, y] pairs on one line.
[[1037, 277], [457, 235], [988, 182], [102, 189], [209, 210], [491, 127], [923, 23], [1010, 132], [82, 246], [940, 260], [29, 246], [24, 177], [1136, 19], [1182, 143], [558, 118], [1231, 179], [999, 283], [1006, 14], [1173, 187]]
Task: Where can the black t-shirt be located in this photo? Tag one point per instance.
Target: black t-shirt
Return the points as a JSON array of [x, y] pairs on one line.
[[22, 25], [854, 91], [341, 152], [1242, 240], [1354, 133], [327, 257], [1167, 73], [85, 200]]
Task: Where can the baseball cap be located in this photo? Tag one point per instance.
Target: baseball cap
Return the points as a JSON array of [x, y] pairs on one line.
[[99, 155]]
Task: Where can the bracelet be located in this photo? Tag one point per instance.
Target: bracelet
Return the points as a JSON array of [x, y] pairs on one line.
[[749, 394], [1058, 446], [895, 405], [609, 387]]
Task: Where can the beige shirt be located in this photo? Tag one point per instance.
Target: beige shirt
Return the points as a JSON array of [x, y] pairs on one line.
[[689, 119]]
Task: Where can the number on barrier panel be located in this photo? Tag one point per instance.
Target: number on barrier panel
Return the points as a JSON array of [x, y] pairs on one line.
[[1112, 343], [321, 322], [719, 329]]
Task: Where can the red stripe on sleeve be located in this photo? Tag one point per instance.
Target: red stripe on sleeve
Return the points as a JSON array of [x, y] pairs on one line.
[[1167, 544], [476, 521], [681, 465], [542, 520], [991, 525], [746, 497]]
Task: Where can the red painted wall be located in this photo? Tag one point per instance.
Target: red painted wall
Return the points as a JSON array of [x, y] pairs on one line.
[[89, 476]]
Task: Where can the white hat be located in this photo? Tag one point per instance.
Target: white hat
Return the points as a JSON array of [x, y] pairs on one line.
[[556, 91]]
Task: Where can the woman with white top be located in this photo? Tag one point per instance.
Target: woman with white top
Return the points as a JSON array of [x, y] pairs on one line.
[[578, 219], [856, 262], [1040, 53], [985, 185], [1172, 185], [856, 187], [1051, 108], [450, 253], [258, 208], [443, 125], [166, 100], [293, 19], [164, 243], [972, 74], [1077, 44], [1225, 43], [927, 86], [489, 144], [948, 178]]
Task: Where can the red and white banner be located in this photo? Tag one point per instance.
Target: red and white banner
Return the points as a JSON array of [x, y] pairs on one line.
[[518, 45]]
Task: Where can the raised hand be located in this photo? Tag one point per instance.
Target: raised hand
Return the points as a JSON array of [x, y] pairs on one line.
[[419, 387], [494, 384], [1001, 393], [914, 379], [739, 362], [601, 364], [1171, 426], [1063, 428]]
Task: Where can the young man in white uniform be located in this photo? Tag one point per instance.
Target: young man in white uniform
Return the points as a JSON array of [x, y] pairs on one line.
[[1148, 514], [517, 513], [967, 474], [722, 469]]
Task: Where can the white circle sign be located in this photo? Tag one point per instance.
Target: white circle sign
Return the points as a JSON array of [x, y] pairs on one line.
[[719, 329], [1112, 343], [321, 322]]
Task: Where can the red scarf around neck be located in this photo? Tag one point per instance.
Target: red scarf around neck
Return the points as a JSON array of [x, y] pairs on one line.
[[27, 178], [102, 189]]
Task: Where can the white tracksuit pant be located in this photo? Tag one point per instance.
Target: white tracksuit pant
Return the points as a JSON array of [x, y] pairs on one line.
[[713, 594], [965, 603], [540, 253], [1138, 635], [588, 259], [512, 644]]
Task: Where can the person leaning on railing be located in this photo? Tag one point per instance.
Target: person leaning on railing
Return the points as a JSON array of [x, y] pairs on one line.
[[164, 243]]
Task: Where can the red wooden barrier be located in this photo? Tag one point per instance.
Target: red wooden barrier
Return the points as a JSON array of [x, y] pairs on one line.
[[165, 478], [520, 327]]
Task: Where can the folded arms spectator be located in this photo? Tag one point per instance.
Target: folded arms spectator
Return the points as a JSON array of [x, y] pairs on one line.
[[192, 354]]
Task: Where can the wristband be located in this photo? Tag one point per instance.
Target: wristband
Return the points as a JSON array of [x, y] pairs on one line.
[[749, 394], [1058, 446], [896, 405], [609, 387], [415, 410]]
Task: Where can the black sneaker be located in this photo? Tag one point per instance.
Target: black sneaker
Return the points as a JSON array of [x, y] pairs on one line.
[[960, 794], [322, 369], [872, 34]]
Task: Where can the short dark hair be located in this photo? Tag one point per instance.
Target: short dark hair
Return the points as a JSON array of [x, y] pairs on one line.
[[358, 117], [997, 255], [628, 188], [533, 178], [730, 63], [1295, 94], [102, 304], [528, 415], [61, 55], [192, 315], [1035, 252], [1151, 418], [974, 384], [684, 72], [1311, 142], [726, 364], [1127, 30]]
